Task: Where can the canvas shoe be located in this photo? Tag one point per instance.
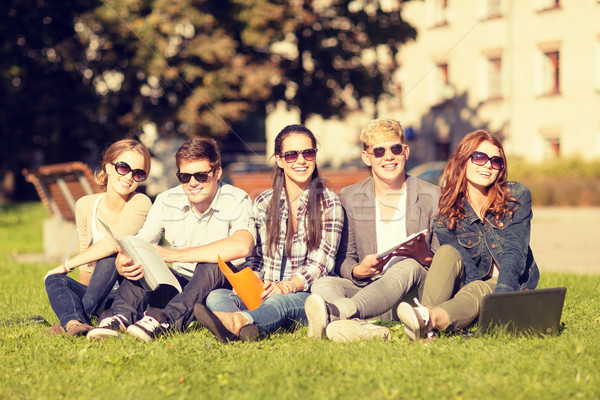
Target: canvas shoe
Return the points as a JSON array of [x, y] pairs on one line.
[[109, 327], [349, 330], [319, 313], [416, 320], [147, 329]]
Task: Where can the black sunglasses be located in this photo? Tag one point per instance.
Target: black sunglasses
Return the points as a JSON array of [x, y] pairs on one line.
[[479, 158], [292, 156], [200, 177], [122, 168], [396, 149]]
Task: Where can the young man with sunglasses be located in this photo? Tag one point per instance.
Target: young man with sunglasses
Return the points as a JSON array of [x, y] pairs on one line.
[[200, 219], [381, 212]]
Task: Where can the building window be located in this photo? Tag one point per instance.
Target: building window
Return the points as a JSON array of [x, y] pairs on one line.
[[494, 81], [491, 9], [544, 5], [440, 12], [548, 73], [551, 147], [443, 89]]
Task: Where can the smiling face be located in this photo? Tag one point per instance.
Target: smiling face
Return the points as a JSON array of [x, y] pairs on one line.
[[124, 185], [200, 194], [390, 167], [300, 171], [481, 177]]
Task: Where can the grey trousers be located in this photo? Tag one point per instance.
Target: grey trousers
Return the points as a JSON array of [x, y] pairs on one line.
[[444, 288], [378, 298]]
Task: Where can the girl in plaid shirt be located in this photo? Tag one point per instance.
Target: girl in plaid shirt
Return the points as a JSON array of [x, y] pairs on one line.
[[299, 221]]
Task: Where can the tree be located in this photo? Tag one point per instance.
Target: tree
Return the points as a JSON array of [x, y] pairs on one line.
[[344, 51]]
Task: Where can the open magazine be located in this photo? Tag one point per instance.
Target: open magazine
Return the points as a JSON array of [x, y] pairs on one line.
[[156, 272], [388, 255], [246, 283]]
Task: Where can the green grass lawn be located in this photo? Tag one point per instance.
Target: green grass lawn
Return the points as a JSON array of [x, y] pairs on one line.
[[194, 365]]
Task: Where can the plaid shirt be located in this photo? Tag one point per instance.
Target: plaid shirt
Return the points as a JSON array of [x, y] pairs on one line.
[[306, 264]]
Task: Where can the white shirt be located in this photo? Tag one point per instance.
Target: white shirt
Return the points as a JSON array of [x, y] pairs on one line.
[[174, 216], [393, 232]]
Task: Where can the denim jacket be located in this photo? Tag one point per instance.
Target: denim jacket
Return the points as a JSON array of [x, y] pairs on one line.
[[505, 241]]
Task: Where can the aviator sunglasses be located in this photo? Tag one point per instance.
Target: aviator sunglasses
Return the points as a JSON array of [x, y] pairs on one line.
[[396, 149], [122, 168], [292, 156], [479, 158], [200, 177]]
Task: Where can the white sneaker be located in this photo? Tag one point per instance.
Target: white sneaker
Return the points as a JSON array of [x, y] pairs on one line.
[[316, 314], [416, 320], [348, 330], [147, 329], [108, 328]]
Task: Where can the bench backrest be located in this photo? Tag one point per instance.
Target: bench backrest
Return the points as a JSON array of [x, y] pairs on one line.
[[61, 185], [256, 182]]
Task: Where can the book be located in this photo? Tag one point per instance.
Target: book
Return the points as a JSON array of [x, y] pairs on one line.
[[246, 284], [156, 271], [389, 253]]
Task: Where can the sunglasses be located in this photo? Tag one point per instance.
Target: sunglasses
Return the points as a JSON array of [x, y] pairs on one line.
[[292, 156], [479, 158], [122, 168], [200, 177], [396, 149]]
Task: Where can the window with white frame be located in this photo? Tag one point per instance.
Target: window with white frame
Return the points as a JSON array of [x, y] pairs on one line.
[[551, 147], [543, 5], [490, 9], [437, 12], [547, 71], [494, 77], [443, 89]]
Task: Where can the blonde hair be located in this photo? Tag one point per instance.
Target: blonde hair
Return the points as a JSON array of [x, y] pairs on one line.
[[381, 130], [112, 153]]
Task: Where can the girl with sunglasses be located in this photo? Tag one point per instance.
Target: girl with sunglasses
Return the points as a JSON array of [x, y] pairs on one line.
[[125, 164], [486, 220], [299, 222]]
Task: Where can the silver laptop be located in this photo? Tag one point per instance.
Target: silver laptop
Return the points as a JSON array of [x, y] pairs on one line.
[[529, 312]]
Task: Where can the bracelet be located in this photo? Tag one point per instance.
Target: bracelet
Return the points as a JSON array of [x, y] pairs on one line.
[[66, 266], [294, 287]]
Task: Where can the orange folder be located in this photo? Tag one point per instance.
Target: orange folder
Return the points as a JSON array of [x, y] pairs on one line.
[[246, 283]]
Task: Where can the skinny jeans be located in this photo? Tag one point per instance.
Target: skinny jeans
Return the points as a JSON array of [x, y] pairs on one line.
[[74, 301], [276, 311]]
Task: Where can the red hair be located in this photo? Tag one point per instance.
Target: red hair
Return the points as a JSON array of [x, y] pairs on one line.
[[454, 182]]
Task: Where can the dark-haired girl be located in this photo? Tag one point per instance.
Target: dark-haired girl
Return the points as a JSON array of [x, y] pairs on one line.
[[486, 219], [299, 223]]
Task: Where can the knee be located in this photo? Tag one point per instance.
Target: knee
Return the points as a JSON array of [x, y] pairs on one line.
[[55, 280], [217, 296], [448, 252]]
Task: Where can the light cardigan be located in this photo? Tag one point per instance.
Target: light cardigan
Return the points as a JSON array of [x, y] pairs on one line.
[[132, 218]]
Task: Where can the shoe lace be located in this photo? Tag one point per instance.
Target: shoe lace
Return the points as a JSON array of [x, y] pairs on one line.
[[149, 323], [423, 311], [107, 322]]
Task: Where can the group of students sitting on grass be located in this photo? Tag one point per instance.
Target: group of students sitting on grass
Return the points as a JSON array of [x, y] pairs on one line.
[[316, 252]]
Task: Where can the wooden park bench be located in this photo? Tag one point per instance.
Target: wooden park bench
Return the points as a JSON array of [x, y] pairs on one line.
[[256, 182], [59, 187]]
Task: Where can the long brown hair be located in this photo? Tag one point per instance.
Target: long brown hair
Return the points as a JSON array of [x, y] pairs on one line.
[[112, 153], [454, 182], [315, 200]]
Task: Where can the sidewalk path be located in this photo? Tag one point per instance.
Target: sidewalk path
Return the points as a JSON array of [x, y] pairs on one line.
[[566, 239]]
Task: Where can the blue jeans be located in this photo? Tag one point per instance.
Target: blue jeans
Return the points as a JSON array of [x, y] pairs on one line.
[[72, 300], [276, 311]]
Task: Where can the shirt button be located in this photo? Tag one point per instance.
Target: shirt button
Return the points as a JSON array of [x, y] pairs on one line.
[[493, 246], [470, 243], [485, 228]]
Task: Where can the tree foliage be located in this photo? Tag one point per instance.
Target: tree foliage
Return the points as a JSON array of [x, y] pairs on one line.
[[76, 77]]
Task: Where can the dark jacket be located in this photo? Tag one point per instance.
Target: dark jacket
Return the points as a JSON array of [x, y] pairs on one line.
[[506, 242]]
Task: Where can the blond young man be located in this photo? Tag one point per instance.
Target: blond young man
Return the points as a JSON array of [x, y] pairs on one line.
[[381, 211]]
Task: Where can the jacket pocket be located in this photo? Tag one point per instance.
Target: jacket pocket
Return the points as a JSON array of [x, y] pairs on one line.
[[472, 243]]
